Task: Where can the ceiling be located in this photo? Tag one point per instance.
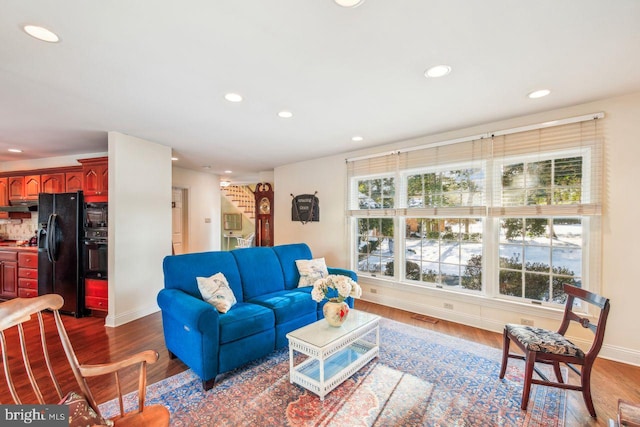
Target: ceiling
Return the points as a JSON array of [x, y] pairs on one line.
[[159, 70]]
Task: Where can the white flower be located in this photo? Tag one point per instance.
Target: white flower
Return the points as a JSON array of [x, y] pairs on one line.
[[335, 287]]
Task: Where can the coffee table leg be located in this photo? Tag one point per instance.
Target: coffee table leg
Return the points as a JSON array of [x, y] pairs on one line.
[[322, 379], [290, 364]]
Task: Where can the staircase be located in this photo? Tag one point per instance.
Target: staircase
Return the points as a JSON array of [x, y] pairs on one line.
[[242, 198]]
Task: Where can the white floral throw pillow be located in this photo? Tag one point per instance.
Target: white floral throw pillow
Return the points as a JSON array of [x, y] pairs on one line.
[[216, 291], [311, 270]]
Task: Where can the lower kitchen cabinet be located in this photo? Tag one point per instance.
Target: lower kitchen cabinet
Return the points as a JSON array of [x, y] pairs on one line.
[[27, 274], [96, 294], [8, 274]]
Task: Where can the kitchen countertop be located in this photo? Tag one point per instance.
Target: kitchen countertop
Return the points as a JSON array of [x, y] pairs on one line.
[[13, 245]]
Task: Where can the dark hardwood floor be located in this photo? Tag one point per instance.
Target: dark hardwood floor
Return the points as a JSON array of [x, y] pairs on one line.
[[94, 343]]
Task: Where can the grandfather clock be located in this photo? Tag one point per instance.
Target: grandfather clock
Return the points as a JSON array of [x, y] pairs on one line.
[[264, 214]]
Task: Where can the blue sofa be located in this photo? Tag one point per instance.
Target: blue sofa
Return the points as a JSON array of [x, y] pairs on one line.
[[269, 305]]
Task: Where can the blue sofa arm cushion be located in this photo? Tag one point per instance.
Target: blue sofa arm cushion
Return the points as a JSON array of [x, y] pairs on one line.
[[192, 312]]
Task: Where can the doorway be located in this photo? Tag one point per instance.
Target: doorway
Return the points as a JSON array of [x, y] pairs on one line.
[[179, 220]]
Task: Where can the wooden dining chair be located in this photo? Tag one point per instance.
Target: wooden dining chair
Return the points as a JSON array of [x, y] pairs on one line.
[[552, 348], [40, 359]]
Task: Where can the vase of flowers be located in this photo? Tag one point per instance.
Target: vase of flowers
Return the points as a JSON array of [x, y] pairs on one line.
[[335, 288]]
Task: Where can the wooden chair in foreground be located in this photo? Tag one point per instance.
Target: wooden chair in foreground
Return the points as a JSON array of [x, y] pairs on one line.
[[14, 316], [552, 348]]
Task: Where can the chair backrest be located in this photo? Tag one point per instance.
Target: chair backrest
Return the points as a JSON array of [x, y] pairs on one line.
[[247, 242], [32, 328], [16, 317], [570, 315]]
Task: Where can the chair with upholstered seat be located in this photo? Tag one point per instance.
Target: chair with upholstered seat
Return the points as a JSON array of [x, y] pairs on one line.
[[552, 348], [40, 357]]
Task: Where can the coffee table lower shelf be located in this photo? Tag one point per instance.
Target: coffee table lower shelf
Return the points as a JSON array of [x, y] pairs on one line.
[[320, 377]]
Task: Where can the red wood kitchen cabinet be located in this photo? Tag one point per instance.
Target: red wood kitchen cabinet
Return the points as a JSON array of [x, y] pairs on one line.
[[26, 187], [95, 173], [16, 187], [27, 274], [4, 191], [52, 183], [73, 181], [8, 274]]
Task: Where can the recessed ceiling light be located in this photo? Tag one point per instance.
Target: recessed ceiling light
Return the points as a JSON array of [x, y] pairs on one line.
[[438, 71], [349, 3], [285, 114], [14, 150], [41, 33], [357, 138], [206, 167], [228, 171], [539, 93], [233, 97], [174, 159]]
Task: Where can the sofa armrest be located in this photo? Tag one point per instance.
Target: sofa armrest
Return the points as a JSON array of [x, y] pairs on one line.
[[192, 312], [344, 272]]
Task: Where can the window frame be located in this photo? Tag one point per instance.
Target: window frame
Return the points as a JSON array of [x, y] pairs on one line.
[[492, 170]]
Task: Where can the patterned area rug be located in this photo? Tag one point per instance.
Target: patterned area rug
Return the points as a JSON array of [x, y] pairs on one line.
[[421, 378]]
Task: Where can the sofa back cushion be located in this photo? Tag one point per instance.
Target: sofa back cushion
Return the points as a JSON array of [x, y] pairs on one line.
[[180, 271], [260, 271], [288, 254]]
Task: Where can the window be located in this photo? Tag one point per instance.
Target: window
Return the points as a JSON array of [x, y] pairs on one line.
[[376, 193], [511, 215], [457, 187], [444, 251], [375, 245], [538, 255]]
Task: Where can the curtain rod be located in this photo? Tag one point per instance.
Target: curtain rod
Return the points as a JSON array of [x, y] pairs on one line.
[[552, 123]]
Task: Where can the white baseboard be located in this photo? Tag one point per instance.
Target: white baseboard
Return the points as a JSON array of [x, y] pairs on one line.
[[122, 318], [611, 352]]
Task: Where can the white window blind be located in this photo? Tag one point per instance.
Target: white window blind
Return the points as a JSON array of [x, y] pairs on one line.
[[452, 176], [548, 171]]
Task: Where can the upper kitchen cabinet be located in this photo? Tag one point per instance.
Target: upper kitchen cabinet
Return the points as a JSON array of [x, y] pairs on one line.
[[73, 181], [25, 187], [4, 191], [95, 178], [53, 183], [16, 187], [31, 187]]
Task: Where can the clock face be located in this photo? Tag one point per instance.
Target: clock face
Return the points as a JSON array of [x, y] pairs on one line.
[[265, 206]]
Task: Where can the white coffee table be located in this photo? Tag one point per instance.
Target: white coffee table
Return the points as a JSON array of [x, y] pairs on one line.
[[334, 353]]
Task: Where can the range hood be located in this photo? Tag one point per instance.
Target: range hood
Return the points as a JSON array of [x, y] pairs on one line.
[[20, 206]]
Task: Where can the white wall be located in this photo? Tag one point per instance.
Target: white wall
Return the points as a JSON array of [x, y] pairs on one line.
[[203, 208], [139, 225], [327, 237], [621, 229]]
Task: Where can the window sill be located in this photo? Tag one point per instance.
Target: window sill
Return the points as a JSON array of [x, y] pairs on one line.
[[522, 308]]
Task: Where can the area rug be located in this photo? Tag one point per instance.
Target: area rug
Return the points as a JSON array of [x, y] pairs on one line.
[[421, 378]]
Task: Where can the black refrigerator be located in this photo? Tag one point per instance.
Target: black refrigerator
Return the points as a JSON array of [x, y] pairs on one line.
[[59, 226]]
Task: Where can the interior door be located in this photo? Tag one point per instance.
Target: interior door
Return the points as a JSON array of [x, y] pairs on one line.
[[177, 223]]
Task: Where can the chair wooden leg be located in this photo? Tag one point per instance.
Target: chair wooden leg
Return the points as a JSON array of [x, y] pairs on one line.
[[530, 360], [556, 369], [505, 353], [586, 389]]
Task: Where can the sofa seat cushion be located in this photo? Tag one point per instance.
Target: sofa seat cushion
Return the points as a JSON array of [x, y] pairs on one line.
[[287, 305], [243, 320]]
